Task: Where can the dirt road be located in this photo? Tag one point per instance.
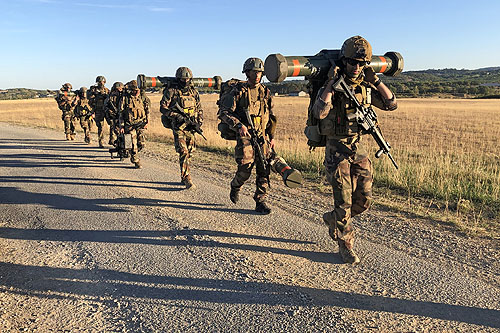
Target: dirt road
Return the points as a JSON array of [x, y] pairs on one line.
[[91, 244]]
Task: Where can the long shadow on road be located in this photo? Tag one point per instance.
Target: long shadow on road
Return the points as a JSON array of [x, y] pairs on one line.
[[167, 238], [52, 282]]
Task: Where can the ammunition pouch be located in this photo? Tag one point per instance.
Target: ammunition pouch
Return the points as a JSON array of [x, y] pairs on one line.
[[314, 137], [226, 132]]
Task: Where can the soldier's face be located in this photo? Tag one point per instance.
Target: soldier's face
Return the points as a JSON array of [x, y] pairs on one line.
[[354, 67], [254, 76], [101, 83]]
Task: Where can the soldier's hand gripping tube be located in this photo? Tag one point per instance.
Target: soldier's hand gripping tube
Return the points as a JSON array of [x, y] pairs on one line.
[[366, 119], [145, 82], [278, 67]]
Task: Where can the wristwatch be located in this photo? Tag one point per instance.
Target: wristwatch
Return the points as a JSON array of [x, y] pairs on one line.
[[377, 83]]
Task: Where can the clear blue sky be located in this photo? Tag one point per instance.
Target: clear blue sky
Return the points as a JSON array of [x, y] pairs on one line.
[[48, 42]]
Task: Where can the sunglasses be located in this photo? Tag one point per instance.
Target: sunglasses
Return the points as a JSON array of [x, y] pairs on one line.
[[354, 62]]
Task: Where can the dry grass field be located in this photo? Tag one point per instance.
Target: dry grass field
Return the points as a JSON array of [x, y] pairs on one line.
[[447, 151]]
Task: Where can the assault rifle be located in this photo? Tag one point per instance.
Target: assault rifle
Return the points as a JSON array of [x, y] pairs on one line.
[[257, 142], [191, 123], [366, 119]]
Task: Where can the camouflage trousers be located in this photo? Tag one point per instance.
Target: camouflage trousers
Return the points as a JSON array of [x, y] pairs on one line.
[[185, 145], [245, 159], [86, 124], [349, 171], [69, 126], [99, 122], [138, 142], [113, 131]]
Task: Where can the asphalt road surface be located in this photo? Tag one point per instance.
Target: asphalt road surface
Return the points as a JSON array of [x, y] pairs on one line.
[[91, 244]]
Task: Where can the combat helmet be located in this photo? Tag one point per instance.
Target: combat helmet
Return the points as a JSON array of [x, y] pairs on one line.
[[100, 78], [356, 48], [183, 73], [67, 86], [83, 91], [117, 85], [132, 85], [253, 64]]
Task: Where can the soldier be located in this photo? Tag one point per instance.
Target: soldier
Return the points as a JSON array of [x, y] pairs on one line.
[[133, 116], [348, 168], [111, 107], [250, 95], [64, 102], [179, 103], [83, 111], [97, 95]]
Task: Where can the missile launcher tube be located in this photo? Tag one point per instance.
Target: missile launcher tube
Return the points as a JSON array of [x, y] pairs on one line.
[[145, 82], [278, 67]]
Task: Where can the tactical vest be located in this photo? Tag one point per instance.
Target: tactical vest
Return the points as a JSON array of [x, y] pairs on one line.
[[187, 101], [256, 101], [82, 109], [134, 109], [337, 123], [98, 97]]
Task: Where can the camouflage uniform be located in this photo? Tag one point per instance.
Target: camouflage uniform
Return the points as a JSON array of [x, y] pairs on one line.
[[64, 102], [83, 111], [111, 108], [133, 108], [97, 95], [188, 98], [259, 103], [348, 168]]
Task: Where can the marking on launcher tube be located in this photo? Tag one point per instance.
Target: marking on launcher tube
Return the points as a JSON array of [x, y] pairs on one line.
[[209, 82], [384, 66], [153, 82], [296, 67], [285, 168]]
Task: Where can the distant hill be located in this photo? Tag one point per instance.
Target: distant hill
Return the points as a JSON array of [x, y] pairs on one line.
[[446, 83]]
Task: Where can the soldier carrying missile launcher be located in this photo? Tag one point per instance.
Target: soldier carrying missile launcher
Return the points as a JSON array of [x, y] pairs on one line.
[[348, 168], [64, 101]]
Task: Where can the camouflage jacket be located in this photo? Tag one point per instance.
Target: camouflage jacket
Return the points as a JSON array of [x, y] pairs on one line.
[[259, 103], [65, 100], [82, 108], [334, 114], [97, 97], [187, 98], [111, 104]]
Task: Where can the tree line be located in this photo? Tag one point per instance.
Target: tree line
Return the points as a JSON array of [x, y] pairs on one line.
[[449, 82]]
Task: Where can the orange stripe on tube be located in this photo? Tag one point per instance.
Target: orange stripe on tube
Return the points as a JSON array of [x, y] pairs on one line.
[[296, 67], [384, 66], [209, 82], [284, 169], [153, 82]]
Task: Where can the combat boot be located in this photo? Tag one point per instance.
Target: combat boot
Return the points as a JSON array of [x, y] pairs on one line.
[[72, 136], [262, 208], [87, 139], [68, 137], [138, 165], [234, 195], [100, 144], [188, 183], [346, 247]]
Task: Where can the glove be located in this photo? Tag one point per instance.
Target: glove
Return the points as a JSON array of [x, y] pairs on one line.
[[370, 75]]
